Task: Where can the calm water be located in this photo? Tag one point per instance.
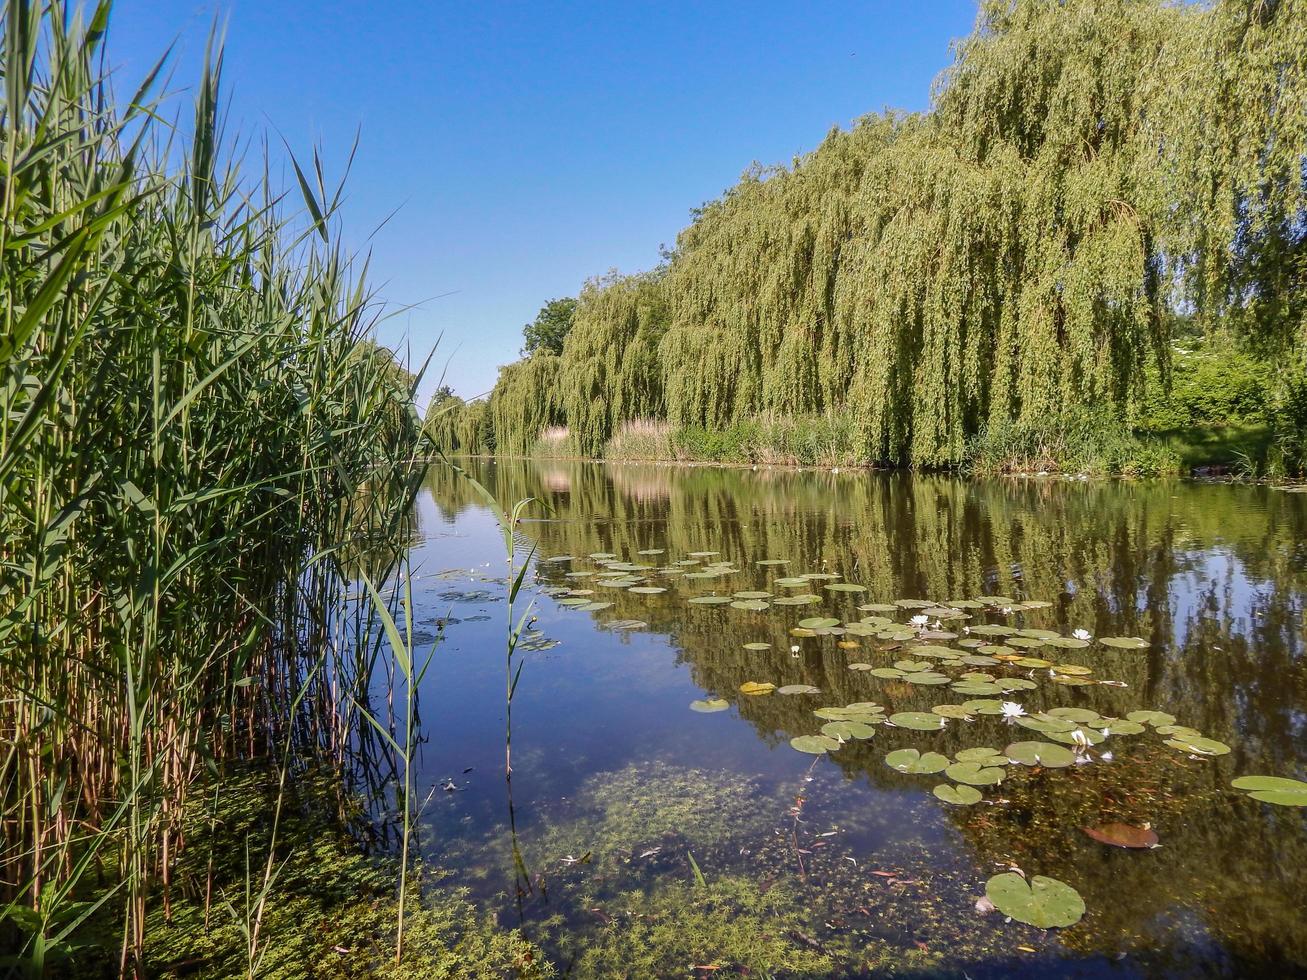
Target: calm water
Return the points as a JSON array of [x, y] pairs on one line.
[[616, 779]]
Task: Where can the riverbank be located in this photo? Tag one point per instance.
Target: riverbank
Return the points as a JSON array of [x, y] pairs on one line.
[[1080, 444]]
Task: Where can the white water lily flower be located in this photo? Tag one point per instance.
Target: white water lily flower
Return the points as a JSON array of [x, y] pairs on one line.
[[919, 620], [1082, 634], [1080, 739], [1106, 756], [1012, 710], [794, 650]]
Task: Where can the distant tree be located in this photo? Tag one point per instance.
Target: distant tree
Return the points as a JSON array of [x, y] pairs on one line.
[[443, 394], [551, 325]]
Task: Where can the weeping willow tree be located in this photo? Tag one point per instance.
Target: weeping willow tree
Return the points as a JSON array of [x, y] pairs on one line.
[[525, 400], [610, 370], [1088, 168]]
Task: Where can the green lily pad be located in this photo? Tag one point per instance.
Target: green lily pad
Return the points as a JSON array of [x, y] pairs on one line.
[[1046, 754], [791, 581], [956, 711], [750, 605], [1124, 642], [920, 721], [818, 622], [912, 761], [593, 606], [765, 562], [796, 600], [1273, 789], [975, 773], [1154, 718], [877, 607], [709, 705], [975, 687], [981, 754], [1045, 903], [1199, 745], [758, 645], [798, 689], [926, 678], [957, 795], [1123, 726], [984, 706], [711, 600], [1068, 643], [845, 587], [646, 589], [847, 730], [815, 744], [753, 595]]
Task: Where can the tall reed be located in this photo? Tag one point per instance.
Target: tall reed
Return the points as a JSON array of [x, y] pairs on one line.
[[199, 448]]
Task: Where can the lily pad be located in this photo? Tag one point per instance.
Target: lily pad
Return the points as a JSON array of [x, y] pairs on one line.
[[818, 622], [955, 711], [750, 605], [709, 705], [1154, 718], [1045, 903], [845, 587], [1274, 789], [912, 761], [920, 721], [815, 744], [711, 600], [796, 600], [646, 589], [757, 646], [1199, 745], [757, 687], [753, 595], [1124, 642], [975, 773], [981, 754], [847, 730], [1047, 754], [1122, 835], [957, 795], [798, 689]]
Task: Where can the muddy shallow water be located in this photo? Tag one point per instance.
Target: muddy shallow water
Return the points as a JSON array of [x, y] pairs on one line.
[[836, 863]]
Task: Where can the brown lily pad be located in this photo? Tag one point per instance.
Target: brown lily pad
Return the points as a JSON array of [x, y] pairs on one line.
[[1122, 835]]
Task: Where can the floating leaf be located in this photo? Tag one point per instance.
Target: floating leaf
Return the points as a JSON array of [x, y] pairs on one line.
[[593, 606], [847, 730], [1045, 903], [1154, 718], [975, 773], [984, 706], [709, 705], [700, 554], [797, 600], [950, 711], [1274, 789], [1068, 643], [1199, 745], [1124, 642], [927, 678], [1122, 835], [798, 689], [957, 795], [750, 605], [753, 595], [818, 622], [981, 754], [646, 589], [1123, 726], [845, 587], [652, 551], [877, 607], [920, 721], [1081, 716], [711, 600], [757, 687], [1040, 754], [861, 667], [815, 744], [757, 646], [627, 624], [772, 561], [912, 761]]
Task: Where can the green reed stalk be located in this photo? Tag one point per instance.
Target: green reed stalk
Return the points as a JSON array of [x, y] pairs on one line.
[[199, 450]]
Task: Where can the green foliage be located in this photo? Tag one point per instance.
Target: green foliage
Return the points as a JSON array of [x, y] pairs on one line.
[[1211, 384], [610, 367], [524, 403], [199, 446], [1086, 169], [546, 333], [1075, 441]]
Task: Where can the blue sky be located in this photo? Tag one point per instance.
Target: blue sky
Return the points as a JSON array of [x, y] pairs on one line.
[[528, 147]]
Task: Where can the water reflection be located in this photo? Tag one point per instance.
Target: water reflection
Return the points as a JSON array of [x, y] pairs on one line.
[[1211, 576]]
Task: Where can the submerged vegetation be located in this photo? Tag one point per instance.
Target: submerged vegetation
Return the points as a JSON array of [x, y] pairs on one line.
[[1089, 174]]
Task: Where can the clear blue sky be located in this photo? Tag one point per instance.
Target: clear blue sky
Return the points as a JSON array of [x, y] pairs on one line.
[[531, 146]]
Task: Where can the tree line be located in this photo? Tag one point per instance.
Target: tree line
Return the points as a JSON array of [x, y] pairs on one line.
[[1094, 179]]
